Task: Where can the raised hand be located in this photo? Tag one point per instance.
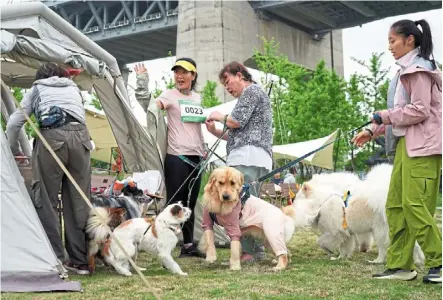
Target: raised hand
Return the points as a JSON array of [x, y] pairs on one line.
[[140, 69]]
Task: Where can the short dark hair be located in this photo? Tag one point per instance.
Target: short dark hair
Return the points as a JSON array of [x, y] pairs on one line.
[[423, 38], [50, 69], [233, 68], [191, 61]]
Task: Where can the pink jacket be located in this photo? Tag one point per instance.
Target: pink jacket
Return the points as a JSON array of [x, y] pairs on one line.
[[422, 116]]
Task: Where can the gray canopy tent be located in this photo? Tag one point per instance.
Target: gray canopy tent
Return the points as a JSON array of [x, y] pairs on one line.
[[32, 34], [28, 262]]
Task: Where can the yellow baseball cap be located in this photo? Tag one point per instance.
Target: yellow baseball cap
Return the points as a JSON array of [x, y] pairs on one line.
[[185, 65]]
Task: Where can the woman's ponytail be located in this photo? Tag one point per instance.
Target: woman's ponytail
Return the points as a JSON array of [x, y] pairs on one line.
[[426, 45]]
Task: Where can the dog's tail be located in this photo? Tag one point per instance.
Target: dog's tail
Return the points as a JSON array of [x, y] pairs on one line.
[[97, 228]]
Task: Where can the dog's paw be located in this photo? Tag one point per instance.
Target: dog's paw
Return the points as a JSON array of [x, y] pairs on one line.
[[277, 269], [235, 267], [376, 261], [334, 258], [274, 261], [127, 274], [211, 259], [183, 274], [141, 269]]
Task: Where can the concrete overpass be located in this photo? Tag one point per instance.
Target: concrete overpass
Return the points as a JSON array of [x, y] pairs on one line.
[[217, 32]]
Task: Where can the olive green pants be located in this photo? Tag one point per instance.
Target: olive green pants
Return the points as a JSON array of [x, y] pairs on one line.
[[410, 208]]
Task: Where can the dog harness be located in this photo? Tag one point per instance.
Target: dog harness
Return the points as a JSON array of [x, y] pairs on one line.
[[173, 229], [244, 196], [345, 199]]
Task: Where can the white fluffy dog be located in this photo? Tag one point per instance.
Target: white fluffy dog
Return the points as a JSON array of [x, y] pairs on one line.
[[157, 236], [320, 204]]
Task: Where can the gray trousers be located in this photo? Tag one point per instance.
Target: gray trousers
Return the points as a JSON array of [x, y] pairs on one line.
[[72, 144], [248, 243]]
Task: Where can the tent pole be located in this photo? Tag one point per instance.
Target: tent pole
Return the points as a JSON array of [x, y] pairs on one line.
[[7, 99], [336, 151]]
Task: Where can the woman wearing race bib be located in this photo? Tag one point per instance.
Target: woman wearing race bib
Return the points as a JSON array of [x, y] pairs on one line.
[[249, 146], [185, 143]]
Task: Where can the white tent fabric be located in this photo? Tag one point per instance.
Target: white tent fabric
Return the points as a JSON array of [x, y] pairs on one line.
[[102, 135], [28, 262], [322, 158]]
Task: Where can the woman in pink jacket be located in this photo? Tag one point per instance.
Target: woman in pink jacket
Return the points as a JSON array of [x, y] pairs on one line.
[[412, 128]]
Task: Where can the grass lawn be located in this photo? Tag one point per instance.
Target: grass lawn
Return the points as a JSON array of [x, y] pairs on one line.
[[311, 275]]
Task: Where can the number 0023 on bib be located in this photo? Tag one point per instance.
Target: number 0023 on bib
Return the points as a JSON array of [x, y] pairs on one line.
[[191, 112]]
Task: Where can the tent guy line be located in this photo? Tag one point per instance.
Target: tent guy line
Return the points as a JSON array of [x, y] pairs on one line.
[[85, 198]]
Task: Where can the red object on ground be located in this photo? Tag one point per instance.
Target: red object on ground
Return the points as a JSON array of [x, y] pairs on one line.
[[74, 72]]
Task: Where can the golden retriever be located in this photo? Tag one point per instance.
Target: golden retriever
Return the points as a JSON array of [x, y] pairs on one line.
[[256, 217]]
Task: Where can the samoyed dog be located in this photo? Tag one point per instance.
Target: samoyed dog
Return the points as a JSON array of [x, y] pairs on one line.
[[343, 225]]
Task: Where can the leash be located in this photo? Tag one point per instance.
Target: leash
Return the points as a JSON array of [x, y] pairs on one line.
[[290, 164], [199, 167], [86, 199]]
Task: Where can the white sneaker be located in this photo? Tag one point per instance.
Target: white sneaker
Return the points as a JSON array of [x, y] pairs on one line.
[[433, 276], [396, 274]]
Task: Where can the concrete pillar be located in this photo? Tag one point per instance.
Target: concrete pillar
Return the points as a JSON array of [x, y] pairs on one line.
[[212, 33], [9, 104], [215, 33]]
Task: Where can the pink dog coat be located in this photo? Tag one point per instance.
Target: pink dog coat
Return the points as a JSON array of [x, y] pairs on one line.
[[258, 213]]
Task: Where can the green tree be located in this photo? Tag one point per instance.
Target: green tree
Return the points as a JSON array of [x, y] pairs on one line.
[[374, 84], [96, 102], [209, 98], [308, 104], [373, 87], [169, 83]]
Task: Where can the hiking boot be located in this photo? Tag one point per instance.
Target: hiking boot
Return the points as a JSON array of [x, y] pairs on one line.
[[191, 251], [433, 276], [397, 274], [78, 269]]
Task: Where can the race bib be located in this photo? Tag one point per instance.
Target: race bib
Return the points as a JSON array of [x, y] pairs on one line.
[[191, 112]]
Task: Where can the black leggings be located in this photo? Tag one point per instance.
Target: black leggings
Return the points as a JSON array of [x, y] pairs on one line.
[[176, 171]]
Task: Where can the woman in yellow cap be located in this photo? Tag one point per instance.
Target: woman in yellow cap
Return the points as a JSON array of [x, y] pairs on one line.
[[185, 142]]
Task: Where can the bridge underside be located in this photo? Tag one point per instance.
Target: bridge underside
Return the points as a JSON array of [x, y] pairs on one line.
[[130, 30], [143, 30], [320, 17]]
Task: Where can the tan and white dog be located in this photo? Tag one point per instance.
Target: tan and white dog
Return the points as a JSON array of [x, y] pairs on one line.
[[257, 217], [98, 234], [319, 204], [157, 236]]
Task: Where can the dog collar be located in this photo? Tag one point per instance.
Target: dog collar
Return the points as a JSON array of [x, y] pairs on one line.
[[176, 230]]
